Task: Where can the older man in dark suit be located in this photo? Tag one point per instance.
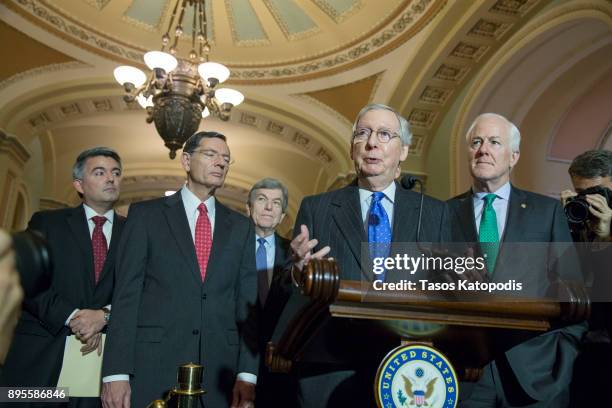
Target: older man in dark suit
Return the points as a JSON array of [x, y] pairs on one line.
[[82, 241], [267, 207], [373, 209], [186, 291], [498, 217]]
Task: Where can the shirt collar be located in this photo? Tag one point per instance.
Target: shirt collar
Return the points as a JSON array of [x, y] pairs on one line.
[[389, 192], [503, 192], [90, 212], [191, 202], [270, 240]]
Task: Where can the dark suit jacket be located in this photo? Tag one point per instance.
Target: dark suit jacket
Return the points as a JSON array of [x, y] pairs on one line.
[[164, 316], [543, 364], [280, 290], [275, 389], [334, 219], [36, 354]]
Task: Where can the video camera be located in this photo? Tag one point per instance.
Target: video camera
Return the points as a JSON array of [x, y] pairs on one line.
[[33, 261], [577, 208]]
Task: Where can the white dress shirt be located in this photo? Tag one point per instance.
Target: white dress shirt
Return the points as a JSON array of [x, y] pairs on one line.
[[365, 200], [107, 229], [500, 205]]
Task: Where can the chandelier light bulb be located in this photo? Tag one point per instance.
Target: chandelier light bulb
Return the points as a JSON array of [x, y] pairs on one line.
[[129, 75], [228, 95], [214, 70], [205, 113], [159, 59], [144, 102]]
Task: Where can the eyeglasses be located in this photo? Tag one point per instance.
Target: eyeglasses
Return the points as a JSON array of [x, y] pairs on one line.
[[383, 135], [212, 155]]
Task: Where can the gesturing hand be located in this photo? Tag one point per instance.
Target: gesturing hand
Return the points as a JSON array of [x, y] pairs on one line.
[[301, 248]]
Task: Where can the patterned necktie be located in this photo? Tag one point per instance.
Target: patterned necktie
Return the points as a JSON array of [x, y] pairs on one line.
[[379, 230], [203, 239], [99, 246], [261, 260], [488, 235]]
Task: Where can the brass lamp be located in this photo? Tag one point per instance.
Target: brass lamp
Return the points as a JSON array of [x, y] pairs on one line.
[[178, 93]]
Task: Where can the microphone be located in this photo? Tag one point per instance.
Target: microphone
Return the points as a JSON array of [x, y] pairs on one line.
[[408, 181]]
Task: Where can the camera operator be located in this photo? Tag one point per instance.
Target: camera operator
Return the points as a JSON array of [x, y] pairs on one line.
[[589, 216], [588, 208]]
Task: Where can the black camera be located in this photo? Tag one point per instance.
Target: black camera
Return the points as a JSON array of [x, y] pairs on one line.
[[33, 262], [577, 208]]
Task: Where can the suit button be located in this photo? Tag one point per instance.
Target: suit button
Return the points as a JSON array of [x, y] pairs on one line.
[[204, 296], [196, 331]]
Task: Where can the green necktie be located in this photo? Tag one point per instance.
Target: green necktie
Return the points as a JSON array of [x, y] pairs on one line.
[[488, 235]]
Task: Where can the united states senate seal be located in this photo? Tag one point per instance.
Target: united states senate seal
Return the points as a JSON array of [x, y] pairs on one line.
[[416, 375]]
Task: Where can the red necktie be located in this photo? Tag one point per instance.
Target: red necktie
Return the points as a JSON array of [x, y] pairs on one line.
[[203, 239], [99, 245]]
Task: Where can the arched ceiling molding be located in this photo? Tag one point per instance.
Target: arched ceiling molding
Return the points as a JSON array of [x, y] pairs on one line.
[[589, 116], [379, 28], [31, 26], [519, 48], [466, 35]]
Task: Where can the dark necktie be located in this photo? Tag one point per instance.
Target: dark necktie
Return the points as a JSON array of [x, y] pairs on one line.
[[379, 229], [261, 260], [99, 246], [488, 234], [203, 239]]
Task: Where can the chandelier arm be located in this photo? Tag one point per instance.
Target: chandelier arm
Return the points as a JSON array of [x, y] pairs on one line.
[[180, 21]]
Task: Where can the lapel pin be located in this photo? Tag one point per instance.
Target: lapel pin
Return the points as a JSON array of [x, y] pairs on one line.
[[523, 205]]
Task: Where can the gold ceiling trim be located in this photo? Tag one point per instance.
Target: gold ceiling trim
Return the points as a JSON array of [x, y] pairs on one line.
[[99, 4], [385, 42], [74, 33], [232, 24], [30, 73], [338, 18], [283, 26], [357, 52]]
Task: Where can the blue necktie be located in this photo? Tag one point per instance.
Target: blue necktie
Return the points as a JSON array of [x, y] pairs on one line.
[[261, 260], [379, 230]]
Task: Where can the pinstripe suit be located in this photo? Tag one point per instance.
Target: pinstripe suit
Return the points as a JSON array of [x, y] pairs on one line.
[[336, 370]]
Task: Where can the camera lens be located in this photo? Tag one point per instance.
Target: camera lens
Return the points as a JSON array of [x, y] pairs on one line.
[[577, 211], [33, 261]]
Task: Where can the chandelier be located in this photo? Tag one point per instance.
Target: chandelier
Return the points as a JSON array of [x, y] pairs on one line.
[[179, 93]]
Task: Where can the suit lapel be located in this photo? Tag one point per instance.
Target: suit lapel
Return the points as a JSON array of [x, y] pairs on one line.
[[78, 226], [467, 219], [179, 226], [346, 213], [221, 238], [405, 216], [517, 216]]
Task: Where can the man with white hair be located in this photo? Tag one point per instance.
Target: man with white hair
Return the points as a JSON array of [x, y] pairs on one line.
[[536, 372], [373, 209]]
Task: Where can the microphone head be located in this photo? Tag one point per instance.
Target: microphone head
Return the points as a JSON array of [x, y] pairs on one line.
[[408, 181]]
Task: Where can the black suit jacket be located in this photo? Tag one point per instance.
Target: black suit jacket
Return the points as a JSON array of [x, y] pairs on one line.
[[543, 364], [279, 292], [164, 316], [36, 354], [334, 219]]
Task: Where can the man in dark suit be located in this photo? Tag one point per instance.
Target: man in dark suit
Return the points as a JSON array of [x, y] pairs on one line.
[[267, 207], [497, 216], [186, 291], [82, 241], [372, 209]]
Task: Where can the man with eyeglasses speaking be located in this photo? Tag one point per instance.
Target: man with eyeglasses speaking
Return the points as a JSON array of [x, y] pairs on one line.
[[186, 289], [373, 209]]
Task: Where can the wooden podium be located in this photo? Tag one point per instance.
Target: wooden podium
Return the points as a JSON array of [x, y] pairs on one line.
[[487, 325]]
